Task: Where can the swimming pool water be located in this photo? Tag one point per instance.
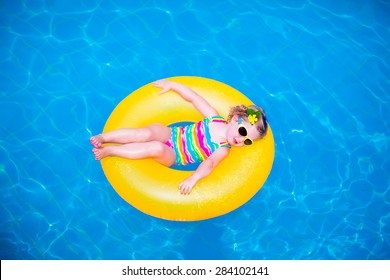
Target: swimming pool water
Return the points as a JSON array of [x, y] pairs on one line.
[[319, 68]]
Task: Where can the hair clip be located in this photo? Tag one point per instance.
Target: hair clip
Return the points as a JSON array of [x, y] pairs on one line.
[[253, 116]]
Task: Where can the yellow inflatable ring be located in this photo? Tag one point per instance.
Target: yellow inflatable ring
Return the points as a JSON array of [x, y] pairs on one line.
[[153, 188]]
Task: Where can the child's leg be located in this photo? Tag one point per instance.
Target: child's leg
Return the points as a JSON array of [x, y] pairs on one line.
[[154, 132], [153, 149]]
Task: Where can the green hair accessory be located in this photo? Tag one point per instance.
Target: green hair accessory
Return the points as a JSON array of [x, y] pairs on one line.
[[253, 116]]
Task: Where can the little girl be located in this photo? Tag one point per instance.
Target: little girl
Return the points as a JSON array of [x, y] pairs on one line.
[[208, 141]]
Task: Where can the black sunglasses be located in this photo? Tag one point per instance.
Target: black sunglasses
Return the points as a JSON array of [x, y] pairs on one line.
[[244, 132]]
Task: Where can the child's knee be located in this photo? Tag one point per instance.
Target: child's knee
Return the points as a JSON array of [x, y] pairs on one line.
[[148, 133], [163, 154], [159, 132], [157, 149]]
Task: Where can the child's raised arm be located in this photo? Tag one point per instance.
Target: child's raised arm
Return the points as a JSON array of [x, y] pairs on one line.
[[189, 95]]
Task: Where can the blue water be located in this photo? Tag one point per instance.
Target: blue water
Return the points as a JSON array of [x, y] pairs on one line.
[[319, 68]]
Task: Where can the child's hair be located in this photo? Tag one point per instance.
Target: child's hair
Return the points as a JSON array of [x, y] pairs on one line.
[[241, 111]]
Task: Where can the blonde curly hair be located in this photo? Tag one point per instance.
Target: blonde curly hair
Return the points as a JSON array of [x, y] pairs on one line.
[[261, 124]]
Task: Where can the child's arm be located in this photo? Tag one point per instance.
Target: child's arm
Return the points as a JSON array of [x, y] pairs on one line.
[[204, 169], [189, 95]]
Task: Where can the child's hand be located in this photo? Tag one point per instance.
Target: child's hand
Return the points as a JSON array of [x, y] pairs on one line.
[[164, 84], [187, 185]]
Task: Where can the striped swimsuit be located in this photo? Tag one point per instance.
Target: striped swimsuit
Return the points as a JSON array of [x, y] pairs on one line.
[[192, 143]]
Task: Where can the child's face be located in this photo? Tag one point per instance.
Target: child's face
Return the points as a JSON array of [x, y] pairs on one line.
[[235, 138]]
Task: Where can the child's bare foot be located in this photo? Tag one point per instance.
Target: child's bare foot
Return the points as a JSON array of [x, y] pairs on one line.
[[100, 153], [97, 141]]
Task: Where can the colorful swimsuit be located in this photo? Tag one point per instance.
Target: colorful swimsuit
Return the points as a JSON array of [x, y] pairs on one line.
[[192, 143]]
